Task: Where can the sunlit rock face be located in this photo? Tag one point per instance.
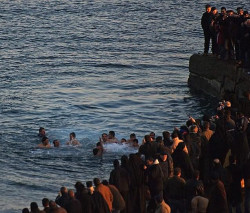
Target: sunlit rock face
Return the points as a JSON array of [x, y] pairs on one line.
[[219, 78]]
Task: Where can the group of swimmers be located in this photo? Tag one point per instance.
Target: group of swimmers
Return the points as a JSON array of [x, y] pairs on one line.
[[56, 143], [110, 138], [98, 150]]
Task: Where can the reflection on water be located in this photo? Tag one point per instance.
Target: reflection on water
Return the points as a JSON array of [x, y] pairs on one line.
[[89, 67]]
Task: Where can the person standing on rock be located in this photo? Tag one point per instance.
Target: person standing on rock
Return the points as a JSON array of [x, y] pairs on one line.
[[205, 23]]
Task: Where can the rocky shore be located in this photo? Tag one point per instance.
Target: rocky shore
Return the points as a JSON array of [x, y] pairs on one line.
[[221, 79]]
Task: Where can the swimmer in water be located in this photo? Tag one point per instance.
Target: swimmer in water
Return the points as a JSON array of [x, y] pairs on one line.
[[72, 140], [45, 143], [56, 143], [98, 150], [112, 138], [135, 143], [42, 132]]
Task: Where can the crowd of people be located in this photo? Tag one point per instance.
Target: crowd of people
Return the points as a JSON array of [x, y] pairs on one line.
[[203, 166], [229, 31]]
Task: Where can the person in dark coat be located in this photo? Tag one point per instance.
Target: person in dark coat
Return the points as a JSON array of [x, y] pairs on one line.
[[219, 142], [154, 180], [125, 179], [167, 139], [63, 197], [115, 175], [193, 187], [84, 198], [149, 148], [164, 164], [45, 202], [182, 160], [74, 205], [205, 23], [217, 196], [195, 145], [118, 201], [241, 140], [234, 192], [55, 209], [175, 192], [34, 208], [137, 186], [99, 205]]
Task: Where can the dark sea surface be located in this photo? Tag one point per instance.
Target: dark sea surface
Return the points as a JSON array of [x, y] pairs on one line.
[[89, 67]]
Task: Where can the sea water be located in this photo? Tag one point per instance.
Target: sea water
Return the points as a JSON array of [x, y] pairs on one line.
[[89, 67]]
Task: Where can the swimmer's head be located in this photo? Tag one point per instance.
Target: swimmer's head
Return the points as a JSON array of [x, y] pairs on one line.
[[72, 135], [56, 143], [104, 137], [123, 140], [111, 134], [41, 131], [132, 136], [45, 140]]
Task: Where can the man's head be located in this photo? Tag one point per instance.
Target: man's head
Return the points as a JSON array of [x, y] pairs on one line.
[[104, 137], [111, 134], [193, 129], [97, 181], [152, 136], [52, 205], [105, 182], [63, 190], [79, 186], [240, 11], [71, 193], [166, 135], [159, 139], [208, 8], [33, 207], [164, 156], [72, 135], [132, 136], [150, 161], [56, 143], [42, 131], [90, 187], [147, 138], [174, 135], [135, 142], [223, 10], [214, 10], [45, 141], [177, 171], [45, 202]]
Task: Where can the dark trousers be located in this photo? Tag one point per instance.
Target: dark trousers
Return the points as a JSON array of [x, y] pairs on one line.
[[208, 37]]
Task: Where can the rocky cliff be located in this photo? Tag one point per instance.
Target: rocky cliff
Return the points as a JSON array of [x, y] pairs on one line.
[[222, 79]]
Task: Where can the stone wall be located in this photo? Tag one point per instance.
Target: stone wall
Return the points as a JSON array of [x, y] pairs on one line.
[[222, 79]]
